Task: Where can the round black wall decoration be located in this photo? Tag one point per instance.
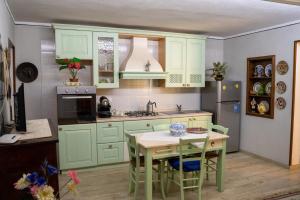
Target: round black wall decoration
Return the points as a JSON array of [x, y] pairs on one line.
[[27, 72]]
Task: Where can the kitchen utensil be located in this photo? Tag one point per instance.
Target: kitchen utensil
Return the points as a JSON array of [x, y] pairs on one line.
[[177, 129]]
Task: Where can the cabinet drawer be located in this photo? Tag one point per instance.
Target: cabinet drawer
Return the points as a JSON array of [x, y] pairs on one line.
[[183, 120], [161, 121], [110, 132], [138, 126], [110, 153]]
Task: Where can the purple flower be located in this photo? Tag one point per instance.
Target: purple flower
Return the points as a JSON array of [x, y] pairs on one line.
[[52, 170], [32, 178]]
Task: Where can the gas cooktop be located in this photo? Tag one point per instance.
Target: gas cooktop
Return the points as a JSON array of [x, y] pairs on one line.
[[140, 113]]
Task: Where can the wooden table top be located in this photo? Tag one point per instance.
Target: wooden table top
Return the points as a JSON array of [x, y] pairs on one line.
[[174, 141]]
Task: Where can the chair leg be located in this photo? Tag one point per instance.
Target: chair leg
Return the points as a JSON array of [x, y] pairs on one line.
[[207, 162], [130, 180], [136, 186], [161, 175]]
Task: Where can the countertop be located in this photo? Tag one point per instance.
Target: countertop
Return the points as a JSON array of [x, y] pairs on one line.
[[159, 116], [39, 131]]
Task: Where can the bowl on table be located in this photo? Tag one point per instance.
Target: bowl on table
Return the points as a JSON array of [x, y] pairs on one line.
[[177, 129]]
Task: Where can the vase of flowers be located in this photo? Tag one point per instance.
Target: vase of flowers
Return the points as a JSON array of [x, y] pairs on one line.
[[73, 65], [218, 70], [35, 186]]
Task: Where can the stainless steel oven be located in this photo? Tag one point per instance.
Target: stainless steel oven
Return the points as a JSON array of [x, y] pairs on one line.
[[76, 105]]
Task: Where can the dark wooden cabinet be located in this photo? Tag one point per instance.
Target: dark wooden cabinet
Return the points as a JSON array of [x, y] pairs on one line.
[[25, 157], [253, 77]]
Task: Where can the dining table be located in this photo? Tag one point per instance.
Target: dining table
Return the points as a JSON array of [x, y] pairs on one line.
[[162, 145]]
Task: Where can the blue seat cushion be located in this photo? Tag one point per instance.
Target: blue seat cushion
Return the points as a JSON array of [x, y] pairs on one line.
[[188, 166]]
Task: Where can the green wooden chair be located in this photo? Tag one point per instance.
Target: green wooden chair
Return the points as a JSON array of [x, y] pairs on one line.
[[161, 127], [191, 161], [137, 162], [211, 163]]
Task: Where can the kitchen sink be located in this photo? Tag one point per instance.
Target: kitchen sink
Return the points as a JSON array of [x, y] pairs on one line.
[[181, 112]]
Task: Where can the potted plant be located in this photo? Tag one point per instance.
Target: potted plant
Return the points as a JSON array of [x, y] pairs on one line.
[[73, 65], [218, 70]]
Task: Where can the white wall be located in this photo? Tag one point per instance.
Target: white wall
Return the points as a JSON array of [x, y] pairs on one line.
[[269, 138], [6, 32], [40, 95]]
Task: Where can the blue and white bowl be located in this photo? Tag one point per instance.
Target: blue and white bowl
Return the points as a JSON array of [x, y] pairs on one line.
[[177, 129]]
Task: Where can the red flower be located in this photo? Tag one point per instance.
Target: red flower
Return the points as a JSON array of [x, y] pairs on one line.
[[70, 65], [77, 65], [73, 175]]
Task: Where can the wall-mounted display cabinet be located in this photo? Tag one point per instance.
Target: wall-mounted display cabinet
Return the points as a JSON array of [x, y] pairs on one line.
[[106, 60], [260, 86], [182, 56]]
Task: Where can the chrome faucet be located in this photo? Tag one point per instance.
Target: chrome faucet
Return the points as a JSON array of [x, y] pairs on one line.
[[150, 107], [179, 108]]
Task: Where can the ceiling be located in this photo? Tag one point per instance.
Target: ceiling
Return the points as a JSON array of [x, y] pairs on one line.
[[212, 17]]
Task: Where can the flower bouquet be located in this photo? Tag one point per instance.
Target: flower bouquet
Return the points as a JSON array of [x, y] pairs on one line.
[[37, 188], [73, 65]]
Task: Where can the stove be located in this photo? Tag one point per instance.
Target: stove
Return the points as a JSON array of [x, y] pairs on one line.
[[140, 113]]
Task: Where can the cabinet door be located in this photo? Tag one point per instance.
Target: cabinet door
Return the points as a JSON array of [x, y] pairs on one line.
[[110, 132], [73, 43], [195, 67], [199, 121], [110, 153], [106, 60], [139, 126], [175, 61], [77, 146], [183, 120]]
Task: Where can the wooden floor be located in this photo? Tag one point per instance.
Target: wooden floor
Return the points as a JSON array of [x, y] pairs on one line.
[[246, 178]]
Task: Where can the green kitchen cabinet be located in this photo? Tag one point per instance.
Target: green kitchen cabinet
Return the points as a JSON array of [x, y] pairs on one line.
[[185, 62], [73, 43], [183, 120], [195, 63], [141, 126], [175, 61], [106, 60], [77, 146], [110, 153], [109, 132]]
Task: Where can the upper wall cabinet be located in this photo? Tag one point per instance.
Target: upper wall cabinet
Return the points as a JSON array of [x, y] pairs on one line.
[[73, 43], [185, 62], [106, 60], [175, 61]]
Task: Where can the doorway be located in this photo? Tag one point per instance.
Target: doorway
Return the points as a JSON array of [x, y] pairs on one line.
[[295, 125]]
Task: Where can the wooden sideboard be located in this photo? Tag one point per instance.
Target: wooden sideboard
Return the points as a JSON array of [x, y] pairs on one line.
[[24, 157]]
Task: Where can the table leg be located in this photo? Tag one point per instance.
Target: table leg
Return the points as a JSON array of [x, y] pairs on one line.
[[148, 174], [220, 169]]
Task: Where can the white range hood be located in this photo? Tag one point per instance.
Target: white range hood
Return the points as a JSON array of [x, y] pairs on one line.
[[140, 64]]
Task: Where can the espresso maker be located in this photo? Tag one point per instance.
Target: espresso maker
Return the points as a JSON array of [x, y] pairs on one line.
[[104, 108]]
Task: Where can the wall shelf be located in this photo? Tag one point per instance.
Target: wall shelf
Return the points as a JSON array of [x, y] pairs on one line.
[[263, 80]]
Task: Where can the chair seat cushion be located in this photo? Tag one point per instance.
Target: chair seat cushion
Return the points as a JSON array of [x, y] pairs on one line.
[[188, 166]]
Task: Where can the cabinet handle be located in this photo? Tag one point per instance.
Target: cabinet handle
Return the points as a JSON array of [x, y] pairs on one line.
[[148, 125], [194, 119], [212, 143], [188, 85], [60, 129], [110, 146], [109, 124], [183, 85], [57, 57]]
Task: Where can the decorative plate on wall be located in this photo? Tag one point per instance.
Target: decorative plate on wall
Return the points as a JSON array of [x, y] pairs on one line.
[[282, 67], [27, 72], [280, 87], [280, 103]]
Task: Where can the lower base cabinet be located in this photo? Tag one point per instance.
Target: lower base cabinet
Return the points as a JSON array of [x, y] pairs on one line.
[[77, 146], [110, 153]]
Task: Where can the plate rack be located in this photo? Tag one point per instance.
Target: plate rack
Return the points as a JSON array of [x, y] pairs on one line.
[[254, 76]]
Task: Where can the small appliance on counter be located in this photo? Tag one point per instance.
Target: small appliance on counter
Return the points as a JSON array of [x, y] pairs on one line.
[[104, 108], [76, 105]]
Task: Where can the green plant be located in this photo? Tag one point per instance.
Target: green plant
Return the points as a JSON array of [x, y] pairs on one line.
[[218, 70]]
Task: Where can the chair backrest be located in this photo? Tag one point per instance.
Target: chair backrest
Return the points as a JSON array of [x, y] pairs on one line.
[[161, 127], [133, 148], [218, 128], [192, 150]]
